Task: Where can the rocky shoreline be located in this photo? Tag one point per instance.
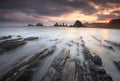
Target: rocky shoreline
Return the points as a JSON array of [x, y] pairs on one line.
[[10, 44], [90, 70], [63, 68], [24, 71]]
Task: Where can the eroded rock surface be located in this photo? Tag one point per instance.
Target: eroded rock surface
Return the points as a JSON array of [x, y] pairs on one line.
[[10, 44], [116, 44], [117, 63], [24, 71], [5, 37], [31, 38], [67, 68]]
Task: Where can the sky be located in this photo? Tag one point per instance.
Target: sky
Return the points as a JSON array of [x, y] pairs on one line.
[[48, 12]]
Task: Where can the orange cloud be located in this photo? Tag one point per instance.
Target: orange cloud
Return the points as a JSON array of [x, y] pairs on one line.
[[71, 17]]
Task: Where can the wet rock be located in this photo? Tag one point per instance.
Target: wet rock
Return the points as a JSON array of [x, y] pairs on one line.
[[49, 76], [86, 53], [91, 74], [10, 44], [57, 67], [97, 60], [97, 39], [25, 76], [68, 73], [116, 44], [79, 71], [31, 38], [105, 77], [5, 37], [109, 47], [93, 70], [117, 63], [24, 71], [100, 70], [82, 42], [19, 36]]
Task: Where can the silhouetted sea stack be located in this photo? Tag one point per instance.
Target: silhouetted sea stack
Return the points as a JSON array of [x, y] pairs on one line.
[[56, 24], [78, 24], [115, 22], [39, 24], [30, 25]]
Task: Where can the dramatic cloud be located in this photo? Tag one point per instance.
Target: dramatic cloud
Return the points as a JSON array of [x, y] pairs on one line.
[[50, 11]]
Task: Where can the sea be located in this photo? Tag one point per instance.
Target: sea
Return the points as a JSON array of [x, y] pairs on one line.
[[60, 37]]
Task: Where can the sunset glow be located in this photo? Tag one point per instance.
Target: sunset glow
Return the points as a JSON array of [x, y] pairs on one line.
[[69, 18], [53, 11]]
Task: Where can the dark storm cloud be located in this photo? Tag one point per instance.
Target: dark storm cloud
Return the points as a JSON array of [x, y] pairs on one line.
[[102, 2], [107, 17], [116, 12], [107, 6], [37, 8], [47, 7]]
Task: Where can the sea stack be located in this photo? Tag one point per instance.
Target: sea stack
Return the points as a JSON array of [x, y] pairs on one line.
[[78, 24], [56, 24], [30, 25], [39, 24]]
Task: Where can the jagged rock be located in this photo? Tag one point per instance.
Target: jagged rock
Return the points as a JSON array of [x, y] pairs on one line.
[[39, 24], [93, 66], [5, 37], [26, 76], [60, 25], [100, 70], [114, 22], [97, 39], [10, 44], [19, 36], [86, 53], [105, 77], [25, 70], [117, 63], [30, 25], [57, 68], [78, 24], [109, 47], [31, 38], [56, 24], [97, 60], [116, 44]]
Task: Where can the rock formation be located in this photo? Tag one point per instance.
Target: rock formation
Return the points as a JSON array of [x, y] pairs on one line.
[[56, 24], [11, 44], [31, 38], [39, 24], [60, 25], [30, 25], [114, 22], [78, 24]]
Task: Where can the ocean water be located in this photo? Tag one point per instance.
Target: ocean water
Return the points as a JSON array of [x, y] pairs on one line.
[[60, 37]]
